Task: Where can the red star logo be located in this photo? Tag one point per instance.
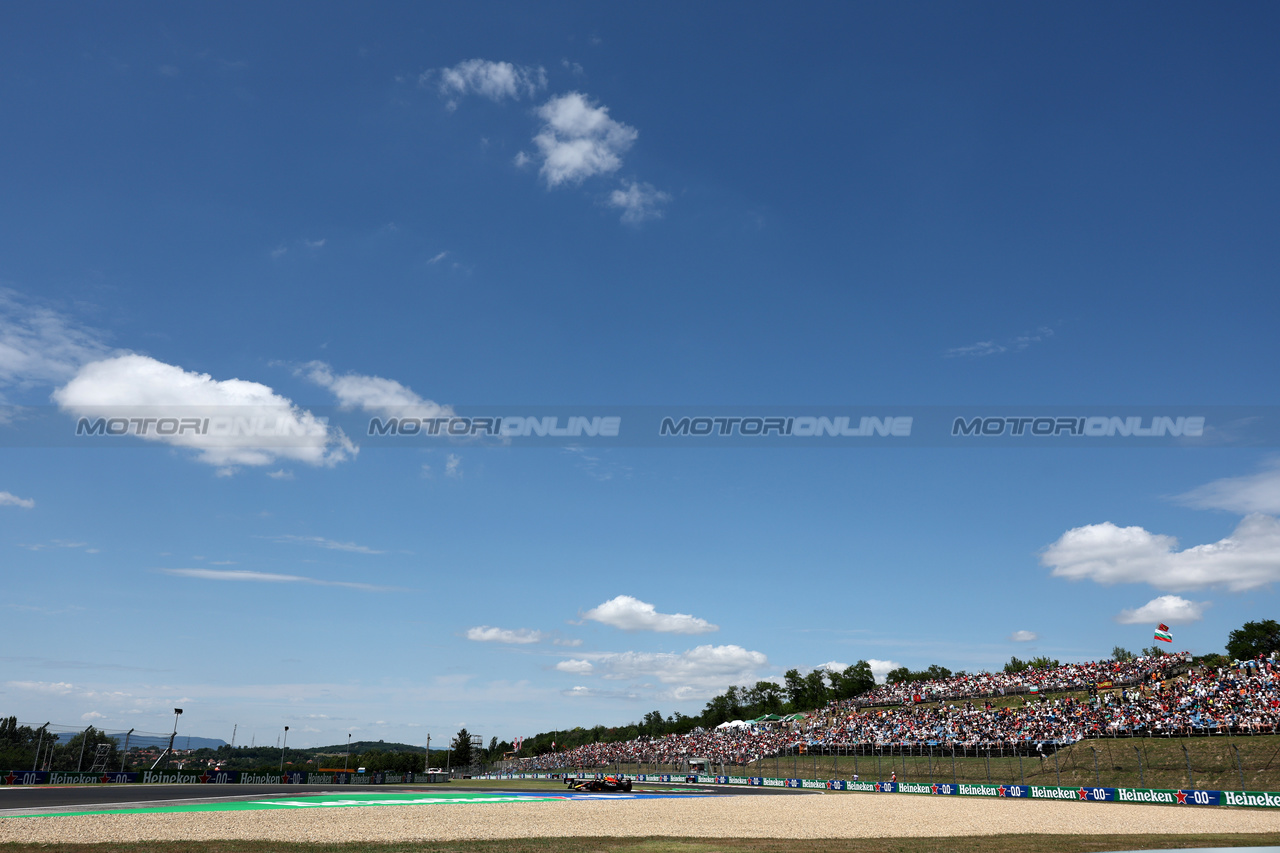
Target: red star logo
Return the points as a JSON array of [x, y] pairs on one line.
[[204, 777], [1084, 795], [105, 779], [1001, 791], [1182, 797], [10, 779], [934, 788], [284, 779]]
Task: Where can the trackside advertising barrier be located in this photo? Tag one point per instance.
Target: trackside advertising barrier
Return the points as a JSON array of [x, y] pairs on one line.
[[215, 777], [1159, 796]]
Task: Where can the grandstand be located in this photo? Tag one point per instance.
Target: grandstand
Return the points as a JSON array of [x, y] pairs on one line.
[[1151, 696]]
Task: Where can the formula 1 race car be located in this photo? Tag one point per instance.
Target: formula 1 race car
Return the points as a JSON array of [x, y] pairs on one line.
[[608, 783]]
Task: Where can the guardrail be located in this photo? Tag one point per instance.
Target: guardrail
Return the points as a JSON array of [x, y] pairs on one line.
[[1160, 796], [216, 777]]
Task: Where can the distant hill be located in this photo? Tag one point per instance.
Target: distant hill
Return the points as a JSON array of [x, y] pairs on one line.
[[136, 740], [366, 745]]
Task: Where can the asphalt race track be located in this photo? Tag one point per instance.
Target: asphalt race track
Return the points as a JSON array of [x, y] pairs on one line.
[[21, 798]]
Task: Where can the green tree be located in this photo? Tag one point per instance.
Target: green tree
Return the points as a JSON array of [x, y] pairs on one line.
[[462, 748], [793, 683], [853, 681], [1016, 665], [1121, 654], [1154, 652], [901, 675], [1043, 663], [1253, 639], [18, 744], [68, 756]]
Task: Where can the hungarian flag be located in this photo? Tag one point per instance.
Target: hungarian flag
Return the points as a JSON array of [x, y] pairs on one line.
[[1162, 633]]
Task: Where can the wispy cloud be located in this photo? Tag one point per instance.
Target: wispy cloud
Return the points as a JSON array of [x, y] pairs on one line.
[[58, 543], [453, 466], [994, 347], [638, 202], [42, 346], [374, 394], [1251, 493], [267, 577], [8, 499], [1023, 637], [329, 544], [496, 81], [490, 634], [692, 674]]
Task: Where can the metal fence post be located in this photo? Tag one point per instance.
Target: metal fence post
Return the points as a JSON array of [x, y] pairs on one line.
[[1187, 755], [1096, 778], [954, 780], [1022, 772], [988, 765], [1239, 766], [1141, 782], [1056, 769]]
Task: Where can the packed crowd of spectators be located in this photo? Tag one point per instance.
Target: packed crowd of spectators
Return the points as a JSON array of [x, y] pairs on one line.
[[1158, 702], [1071, 676]]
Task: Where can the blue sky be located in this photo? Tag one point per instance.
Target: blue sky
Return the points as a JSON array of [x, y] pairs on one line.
[[420, 209]]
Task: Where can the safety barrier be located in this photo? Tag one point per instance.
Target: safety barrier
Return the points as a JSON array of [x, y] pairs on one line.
[[1162, 796], [215, 777]]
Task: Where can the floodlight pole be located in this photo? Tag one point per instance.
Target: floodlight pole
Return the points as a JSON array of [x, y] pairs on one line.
[[177, 712], [124, 758], [284, 747], [347, 758]]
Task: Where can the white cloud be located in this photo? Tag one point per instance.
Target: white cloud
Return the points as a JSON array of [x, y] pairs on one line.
[[493, 80], [40, 346], [579, 140], [489, 634], [453, 465], [328, 544], [1169, 609], [979, 349], [57, 543], [262, 426], [596, 693], [92, 715], [632, 614], [1015, 344], [1247, 559], [384, 397], [58, 688], [881, 668], [560, 641], [8, 499], [833, 666], [280, 475], [638, 202], [1253, 493], [265, 577], [438, 258], [701, 671], [314, 244], [1023, 637], [578, 667]]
